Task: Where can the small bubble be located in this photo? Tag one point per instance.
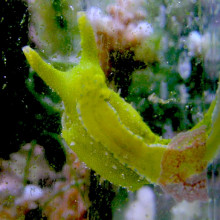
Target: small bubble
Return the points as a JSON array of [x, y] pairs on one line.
[[5, 60], [125, 156], [114, 167], [23, 20], [141, 178], [71, 7], [72, 143], [4, 86], [78, 109]]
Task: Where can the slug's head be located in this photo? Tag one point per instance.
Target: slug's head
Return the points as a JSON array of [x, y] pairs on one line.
[[65, 83]]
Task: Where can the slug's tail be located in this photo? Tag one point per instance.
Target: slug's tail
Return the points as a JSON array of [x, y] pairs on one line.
[[213, 142]]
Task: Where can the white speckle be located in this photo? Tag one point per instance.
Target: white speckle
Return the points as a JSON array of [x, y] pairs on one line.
[[125, 156], [140, 31], [194, 43], [162, 16], [71, 7], [114, 167], [99, 20], [183, 94], [30, 193], [186, 211], [94, 14], [184, 66], [72, 143], [163, 90]]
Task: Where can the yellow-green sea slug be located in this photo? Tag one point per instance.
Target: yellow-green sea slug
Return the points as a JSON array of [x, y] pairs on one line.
[[109, 135]]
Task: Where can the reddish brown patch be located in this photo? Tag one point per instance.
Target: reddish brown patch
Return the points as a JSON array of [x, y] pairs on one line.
[[194, 188], [183, 168]]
